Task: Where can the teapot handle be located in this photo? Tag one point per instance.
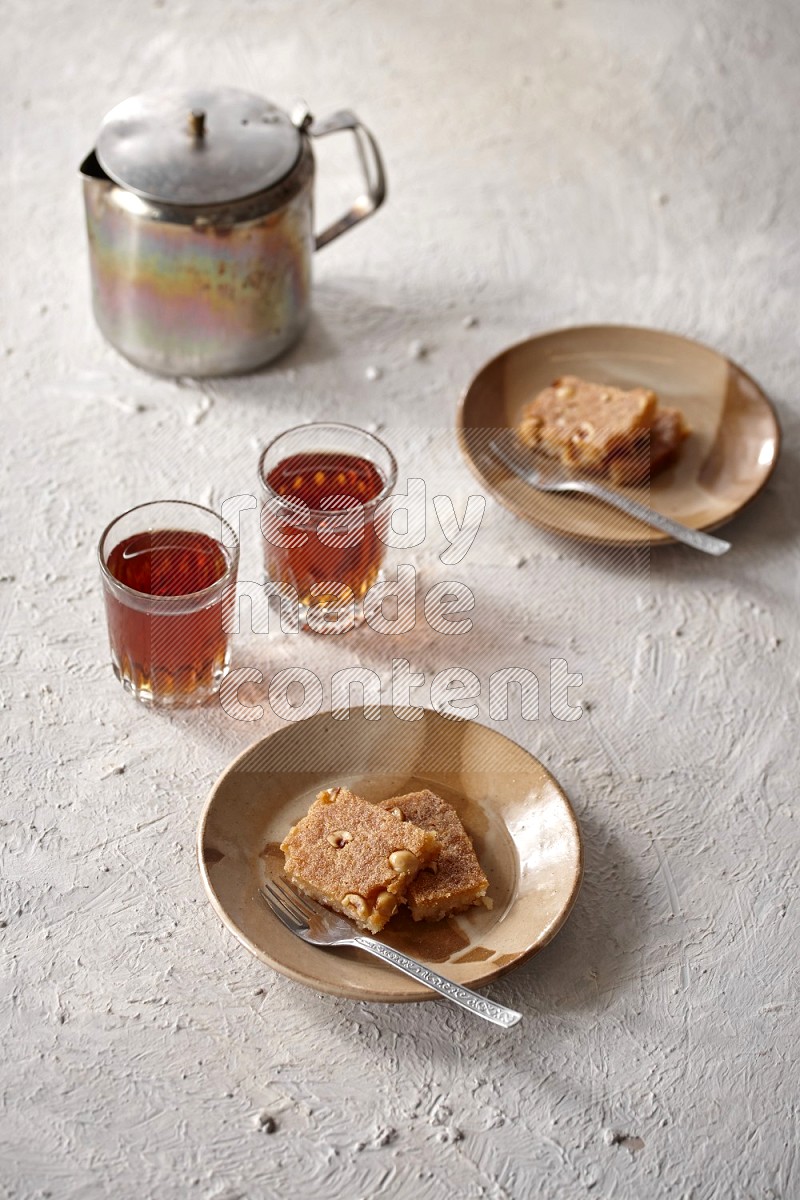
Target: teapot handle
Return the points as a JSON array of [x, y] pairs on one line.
[[371, 165]]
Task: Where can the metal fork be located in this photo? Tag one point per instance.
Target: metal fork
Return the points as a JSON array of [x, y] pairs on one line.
[[315, 924], [546, 475]]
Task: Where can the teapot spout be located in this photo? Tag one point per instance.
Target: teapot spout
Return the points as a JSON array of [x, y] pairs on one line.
[[90, 168]]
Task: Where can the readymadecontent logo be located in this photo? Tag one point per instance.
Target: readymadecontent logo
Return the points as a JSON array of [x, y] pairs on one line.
[[391, 607]]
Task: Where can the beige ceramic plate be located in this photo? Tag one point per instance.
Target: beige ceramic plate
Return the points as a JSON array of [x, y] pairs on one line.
[[724, 463], [523, 827]]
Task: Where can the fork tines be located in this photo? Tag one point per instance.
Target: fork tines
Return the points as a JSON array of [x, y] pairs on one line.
[[286, 904]]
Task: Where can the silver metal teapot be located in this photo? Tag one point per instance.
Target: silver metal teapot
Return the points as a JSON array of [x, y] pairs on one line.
[[199, 210]]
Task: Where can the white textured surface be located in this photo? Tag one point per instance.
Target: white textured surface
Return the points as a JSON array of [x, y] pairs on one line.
[[549, 164]]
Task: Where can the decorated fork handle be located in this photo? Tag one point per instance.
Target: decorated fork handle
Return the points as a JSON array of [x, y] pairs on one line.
[[469, 1000], [691, 537]]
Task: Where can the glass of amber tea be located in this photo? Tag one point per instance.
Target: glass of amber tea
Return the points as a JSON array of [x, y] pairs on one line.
[[169, 578], [326, 497]]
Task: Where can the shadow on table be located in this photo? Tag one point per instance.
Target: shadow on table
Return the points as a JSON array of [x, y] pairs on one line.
[[500, 637], [349, 312], [596, 954], [595, 958]]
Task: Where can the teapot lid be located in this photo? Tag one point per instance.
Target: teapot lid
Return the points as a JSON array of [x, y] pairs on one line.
[[203, 146]]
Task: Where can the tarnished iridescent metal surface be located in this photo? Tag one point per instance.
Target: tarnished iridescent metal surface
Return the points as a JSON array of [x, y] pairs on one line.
[[184, 293]]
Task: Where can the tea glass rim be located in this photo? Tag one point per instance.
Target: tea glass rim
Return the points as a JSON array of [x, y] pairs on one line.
[[290, 502], [223, 581]]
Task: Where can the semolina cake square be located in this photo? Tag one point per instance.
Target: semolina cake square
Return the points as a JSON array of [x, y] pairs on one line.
[[586, 424], [455, 881], [354, 858], [653, 452]]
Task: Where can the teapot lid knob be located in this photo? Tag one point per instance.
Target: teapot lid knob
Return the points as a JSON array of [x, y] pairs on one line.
[[197, 124], [300, 116]]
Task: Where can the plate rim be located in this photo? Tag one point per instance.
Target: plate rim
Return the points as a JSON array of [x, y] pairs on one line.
[[368, 994], [655, 537]]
